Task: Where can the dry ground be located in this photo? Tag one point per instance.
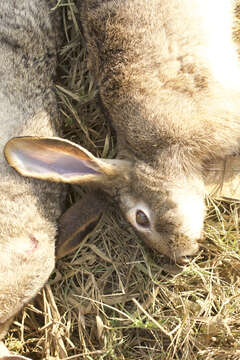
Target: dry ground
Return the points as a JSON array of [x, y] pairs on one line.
[[114, 298]]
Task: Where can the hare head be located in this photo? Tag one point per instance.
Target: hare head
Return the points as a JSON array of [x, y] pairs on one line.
[[168, 216], [166, 209]]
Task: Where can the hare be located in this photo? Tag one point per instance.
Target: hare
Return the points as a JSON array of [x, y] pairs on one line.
[[29, 35], [169, 81], [29, 208]]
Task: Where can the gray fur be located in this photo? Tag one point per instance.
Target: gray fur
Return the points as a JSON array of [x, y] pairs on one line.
[[169, 79], [28, 208]]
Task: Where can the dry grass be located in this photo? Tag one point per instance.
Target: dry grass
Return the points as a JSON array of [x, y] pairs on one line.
[[115, 299]]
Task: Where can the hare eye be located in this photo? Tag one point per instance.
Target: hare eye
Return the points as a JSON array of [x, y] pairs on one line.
[[142, 219]]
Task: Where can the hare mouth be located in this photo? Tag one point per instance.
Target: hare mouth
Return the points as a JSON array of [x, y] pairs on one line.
[[186, 256], [184, 260]]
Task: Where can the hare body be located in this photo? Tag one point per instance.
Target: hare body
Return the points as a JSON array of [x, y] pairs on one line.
[[29, 208], [169, 78]]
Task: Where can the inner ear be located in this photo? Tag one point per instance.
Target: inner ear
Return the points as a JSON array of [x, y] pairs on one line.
[[51, 159], [59, 160]]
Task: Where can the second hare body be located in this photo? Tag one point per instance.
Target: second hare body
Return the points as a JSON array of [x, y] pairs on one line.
[[28, 208]]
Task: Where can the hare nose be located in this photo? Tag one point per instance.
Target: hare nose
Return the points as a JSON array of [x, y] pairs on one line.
[[26, 247], [34, 243]]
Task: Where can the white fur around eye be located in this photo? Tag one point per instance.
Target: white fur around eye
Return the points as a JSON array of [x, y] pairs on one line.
[[131, 216]]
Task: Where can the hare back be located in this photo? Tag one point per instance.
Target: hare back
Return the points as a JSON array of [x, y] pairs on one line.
[[163, 74]]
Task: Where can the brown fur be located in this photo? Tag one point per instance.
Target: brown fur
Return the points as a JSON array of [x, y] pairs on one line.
[[168, 77]]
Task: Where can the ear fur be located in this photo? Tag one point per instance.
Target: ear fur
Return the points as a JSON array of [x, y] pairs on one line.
[[79, 221], [60, 160]]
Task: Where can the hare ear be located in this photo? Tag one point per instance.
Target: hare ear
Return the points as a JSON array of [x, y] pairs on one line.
[[79, 221], [59, 160], [223, 178]]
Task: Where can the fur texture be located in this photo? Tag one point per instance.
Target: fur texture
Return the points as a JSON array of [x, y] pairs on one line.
[[168, 76], [29, 208]]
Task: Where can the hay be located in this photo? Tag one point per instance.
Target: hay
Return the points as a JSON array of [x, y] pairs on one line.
[[114, 298]]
